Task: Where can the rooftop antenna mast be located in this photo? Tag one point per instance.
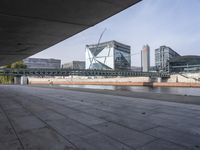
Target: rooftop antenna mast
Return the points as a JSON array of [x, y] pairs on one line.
[[97, 45]]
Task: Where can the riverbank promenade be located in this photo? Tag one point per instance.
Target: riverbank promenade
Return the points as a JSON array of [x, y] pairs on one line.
[[36, 118]]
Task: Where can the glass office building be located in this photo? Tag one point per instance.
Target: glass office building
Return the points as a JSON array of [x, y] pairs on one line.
[[74, 65], [41, 63], [108, 55], [162, 57]]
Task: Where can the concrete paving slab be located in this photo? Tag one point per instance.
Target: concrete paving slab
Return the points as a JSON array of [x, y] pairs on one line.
[[12, 106], [186, 124], [98, 141], [86, 119], [49, 115], [27, 123], [44, 139], [130, 137], [181, 138], [178, 112], [2, 117], [43, 118], [11, 145], [70, 127], [77, 112], [110, 109], [176, 118], [123, 120], [19, 112], [6, 133], [162, 145]]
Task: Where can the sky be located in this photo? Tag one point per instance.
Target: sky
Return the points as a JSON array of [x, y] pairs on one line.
[[174, 23]]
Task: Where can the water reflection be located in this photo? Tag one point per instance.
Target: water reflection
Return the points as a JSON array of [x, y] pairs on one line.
[[166, 90]]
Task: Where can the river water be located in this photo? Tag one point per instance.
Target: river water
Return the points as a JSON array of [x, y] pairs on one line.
[[166, 90]]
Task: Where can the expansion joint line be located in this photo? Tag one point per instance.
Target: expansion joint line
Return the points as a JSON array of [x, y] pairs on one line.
[[49, 126], [84, 124], [12, 127]]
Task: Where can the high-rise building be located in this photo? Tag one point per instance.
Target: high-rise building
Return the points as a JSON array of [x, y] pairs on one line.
[[108, 55], [74, 65], [162, 57], [42, 63], [145, 58]]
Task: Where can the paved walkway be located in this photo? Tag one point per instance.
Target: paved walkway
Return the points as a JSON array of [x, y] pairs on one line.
[[33, 118]]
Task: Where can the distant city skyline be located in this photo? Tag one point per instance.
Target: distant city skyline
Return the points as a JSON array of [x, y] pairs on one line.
[[174, 23]]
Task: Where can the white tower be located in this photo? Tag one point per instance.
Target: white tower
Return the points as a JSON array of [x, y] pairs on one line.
[[145, 58]]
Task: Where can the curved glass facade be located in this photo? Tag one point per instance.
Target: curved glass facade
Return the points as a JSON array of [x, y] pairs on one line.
[[185, 64]]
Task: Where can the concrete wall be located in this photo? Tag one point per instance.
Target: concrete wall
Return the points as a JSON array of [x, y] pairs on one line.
[[188, 78], [176, 78], [90, 79]]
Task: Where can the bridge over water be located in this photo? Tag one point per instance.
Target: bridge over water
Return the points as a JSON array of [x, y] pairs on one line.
[[76, 72]]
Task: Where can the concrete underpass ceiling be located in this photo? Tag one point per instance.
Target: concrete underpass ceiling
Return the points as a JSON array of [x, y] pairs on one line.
[[30, 26]]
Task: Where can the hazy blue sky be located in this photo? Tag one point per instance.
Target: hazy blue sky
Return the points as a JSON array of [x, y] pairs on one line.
[[174, 23]]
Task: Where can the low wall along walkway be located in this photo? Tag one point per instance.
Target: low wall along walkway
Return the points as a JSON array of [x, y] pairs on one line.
[[129, 81]]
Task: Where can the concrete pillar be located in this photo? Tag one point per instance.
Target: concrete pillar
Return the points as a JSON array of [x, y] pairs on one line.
[[176, 78], [159, 79], [21, 80], [152, 79], [24, 80], [17, 80]]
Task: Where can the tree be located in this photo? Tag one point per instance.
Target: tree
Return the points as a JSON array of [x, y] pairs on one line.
[[18, 65], [9, 79]]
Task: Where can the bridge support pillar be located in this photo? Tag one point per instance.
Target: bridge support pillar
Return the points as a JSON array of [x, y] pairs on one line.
[[17, 80], [24, 80], [159, 79], [21, 80]]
